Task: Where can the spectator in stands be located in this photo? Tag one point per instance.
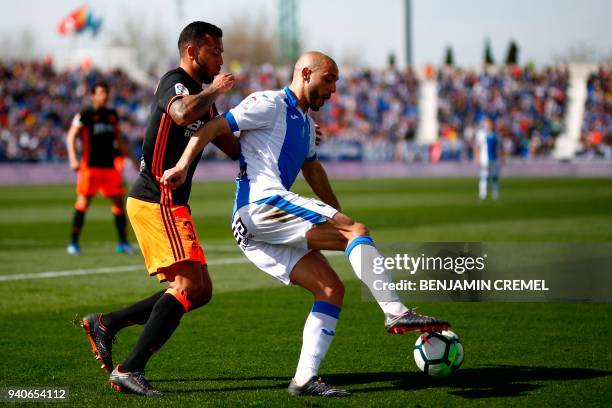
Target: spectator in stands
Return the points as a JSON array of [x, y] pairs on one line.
[[37, 104], [528, 105], [596, 137]]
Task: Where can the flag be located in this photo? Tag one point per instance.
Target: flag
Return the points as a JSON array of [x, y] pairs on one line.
[[79, 21]]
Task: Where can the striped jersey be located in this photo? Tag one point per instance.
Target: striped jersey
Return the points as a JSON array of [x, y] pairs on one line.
[[165, 141], [488, 143], [98, 130], [276, 138]]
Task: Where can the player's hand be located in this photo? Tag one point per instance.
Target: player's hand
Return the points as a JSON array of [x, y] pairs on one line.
[[174, 177], [223, 82], [319, 134], [74, 166]]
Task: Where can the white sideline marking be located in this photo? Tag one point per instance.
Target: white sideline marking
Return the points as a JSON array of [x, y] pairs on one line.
[[117, 269], [106, 244], [94, 271]]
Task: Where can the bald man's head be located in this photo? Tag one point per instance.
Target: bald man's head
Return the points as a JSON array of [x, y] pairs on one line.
[[314, 78], [313, 60]]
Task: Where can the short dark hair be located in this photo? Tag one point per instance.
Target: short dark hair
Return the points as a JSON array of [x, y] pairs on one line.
[[195, 32], [100, 84]]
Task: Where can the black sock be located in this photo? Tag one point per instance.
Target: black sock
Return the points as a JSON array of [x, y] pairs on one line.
[[164, 319], [120, 223], [138, 313], [77, 225]]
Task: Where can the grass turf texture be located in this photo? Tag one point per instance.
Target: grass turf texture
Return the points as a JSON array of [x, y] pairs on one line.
[[242, 348]]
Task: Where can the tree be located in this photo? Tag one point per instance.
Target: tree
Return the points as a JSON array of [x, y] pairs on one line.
[[146, 39], [249, 40], [488, 56], [449, 59], [513, 53]]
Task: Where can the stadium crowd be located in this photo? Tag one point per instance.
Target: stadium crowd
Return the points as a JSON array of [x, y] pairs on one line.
[[369, 107], [37, 104], [528, 106], [596, 136], [373, 114]]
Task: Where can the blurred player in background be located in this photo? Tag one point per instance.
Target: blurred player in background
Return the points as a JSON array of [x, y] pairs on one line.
[[101, 143], [161, 218], [488, 154], [281, 232]]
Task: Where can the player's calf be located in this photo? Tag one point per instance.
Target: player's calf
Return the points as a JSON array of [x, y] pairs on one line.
[[314, 274]]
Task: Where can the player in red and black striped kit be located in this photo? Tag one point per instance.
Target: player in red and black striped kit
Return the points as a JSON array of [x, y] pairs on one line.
[[161, 217], [98, 129]]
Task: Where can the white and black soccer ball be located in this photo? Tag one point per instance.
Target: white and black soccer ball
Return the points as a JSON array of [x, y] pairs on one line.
[[438, 354]]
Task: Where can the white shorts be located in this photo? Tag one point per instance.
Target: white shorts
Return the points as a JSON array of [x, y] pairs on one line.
[[272, 232]]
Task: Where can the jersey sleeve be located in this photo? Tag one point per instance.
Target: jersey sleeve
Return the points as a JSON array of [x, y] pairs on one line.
[[257, 111], [312, 148], [170, 89], [77, 120]]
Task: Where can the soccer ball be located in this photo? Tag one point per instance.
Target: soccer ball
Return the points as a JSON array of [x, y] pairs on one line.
[[438, 354]]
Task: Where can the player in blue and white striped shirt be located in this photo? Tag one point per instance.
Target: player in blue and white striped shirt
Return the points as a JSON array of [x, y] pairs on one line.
[[282, 232], [487, 153]]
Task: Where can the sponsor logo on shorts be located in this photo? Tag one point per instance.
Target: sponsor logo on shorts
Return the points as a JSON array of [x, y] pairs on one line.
[[240, 233]]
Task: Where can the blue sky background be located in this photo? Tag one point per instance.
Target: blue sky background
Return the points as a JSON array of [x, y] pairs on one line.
[[356, 30]]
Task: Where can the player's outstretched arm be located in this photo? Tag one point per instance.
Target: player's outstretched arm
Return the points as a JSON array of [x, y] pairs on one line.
[[71, 146], [190, 108], [316, 177], [218, 127]]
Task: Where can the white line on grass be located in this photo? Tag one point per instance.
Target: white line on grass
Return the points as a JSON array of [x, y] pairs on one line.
[[116, 269], [105, 244]]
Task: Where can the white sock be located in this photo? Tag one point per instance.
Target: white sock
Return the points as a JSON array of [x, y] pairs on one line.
[[482, 193], [495, 193], [361, 253], [319, 331]]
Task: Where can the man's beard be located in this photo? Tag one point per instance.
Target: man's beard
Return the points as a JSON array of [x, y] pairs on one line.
[[314, 96], [207, 79]]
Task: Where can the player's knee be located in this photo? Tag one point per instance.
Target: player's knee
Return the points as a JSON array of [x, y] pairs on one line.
[[199, 295], [201, 298], [191, 296], [82, 204], [333, 291], [182, 296]]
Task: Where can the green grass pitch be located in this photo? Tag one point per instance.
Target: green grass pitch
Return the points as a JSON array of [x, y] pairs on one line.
[[241, 350]]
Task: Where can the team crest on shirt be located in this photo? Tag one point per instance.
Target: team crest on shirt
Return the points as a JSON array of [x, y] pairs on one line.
[[181, 89], [250, 102]]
